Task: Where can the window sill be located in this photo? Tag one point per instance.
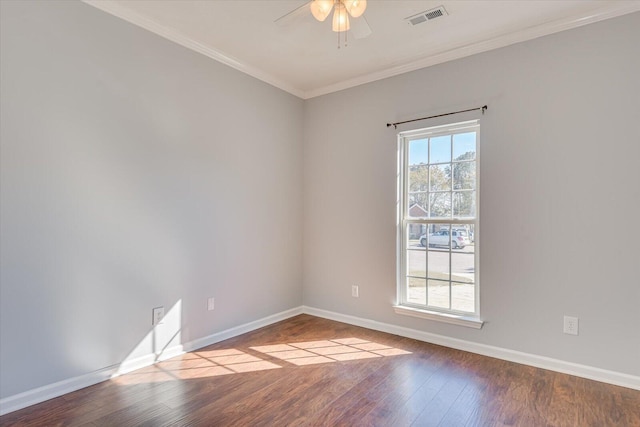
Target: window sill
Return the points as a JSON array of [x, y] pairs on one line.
[[454, 319]]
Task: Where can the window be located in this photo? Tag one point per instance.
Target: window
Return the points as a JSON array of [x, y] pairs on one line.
[[438, 223]]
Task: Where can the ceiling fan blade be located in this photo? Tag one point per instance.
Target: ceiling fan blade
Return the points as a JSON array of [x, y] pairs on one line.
[[295, 15], [360, 27]]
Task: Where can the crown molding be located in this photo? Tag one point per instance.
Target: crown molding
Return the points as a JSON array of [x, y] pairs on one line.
[[450, 54], [176, 36], [614, 9]]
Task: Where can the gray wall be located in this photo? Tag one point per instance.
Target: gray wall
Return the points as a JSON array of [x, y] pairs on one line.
[[135, 173], [560, 192]]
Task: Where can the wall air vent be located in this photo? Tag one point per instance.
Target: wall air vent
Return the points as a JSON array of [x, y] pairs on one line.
[[427, 15]]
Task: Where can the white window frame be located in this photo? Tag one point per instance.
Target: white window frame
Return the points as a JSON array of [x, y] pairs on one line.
[[403, 306]]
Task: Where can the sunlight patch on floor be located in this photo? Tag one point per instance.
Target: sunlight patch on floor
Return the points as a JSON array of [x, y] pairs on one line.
[[198, 364], [214, 363], [327, 351]]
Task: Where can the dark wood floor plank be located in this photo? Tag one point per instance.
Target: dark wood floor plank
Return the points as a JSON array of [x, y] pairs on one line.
[[438, 407], [133, 415], [391, 408], [563, 407], [395, 390], [331, 389], [351, 397], [463, 408], [425, 385]]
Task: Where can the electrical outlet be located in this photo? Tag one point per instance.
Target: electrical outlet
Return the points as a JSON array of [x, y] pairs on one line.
[[570, 325], [354, 291], [158, 314], [210, 304]]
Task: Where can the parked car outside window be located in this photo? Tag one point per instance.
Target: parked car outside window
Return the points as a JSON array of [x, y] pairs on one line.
[[459, 239]]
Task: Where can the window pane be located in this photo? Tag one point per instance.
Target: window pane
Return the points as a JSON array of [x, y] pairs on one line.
[[419, 152], [464, 176], [464, 146], [416, 263], [440, 205], [414, 232], [439, 212], [438, 293], [440, 239], [440, 177], [464, 204], [416, 290], [440, 149], [418, 178], [463, 297], [418, 204], [463, 266], [439, 265]]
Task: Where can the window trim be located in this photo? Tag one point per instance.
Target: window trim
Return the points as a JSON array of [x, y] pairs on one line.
[[402, 306], [454, 319]]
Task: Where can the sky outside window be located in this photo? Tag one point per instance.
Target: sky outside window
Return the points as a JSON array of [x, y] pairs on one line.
[[441, 149]]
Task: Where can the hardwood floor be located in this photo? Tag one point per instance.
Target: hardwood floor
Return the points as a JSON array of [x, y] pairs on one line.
[[308, 371]]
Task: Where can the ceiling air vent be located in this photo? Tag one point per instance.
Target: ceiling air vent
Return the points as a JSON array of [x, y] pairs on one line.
[[427, 15]]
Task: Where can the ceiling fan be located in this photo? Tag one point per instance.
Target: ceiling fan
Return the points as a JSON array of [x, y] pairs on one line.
[[347, 16]]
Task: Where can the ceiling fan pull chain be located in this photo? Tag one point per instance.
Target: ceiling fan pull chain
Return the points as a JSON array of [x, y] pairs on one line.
[[346, 40]]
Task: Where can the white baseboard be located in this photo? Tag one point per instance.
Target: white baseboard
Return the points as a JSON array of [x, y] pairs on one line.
[[148, 360], [242, 329], [41, 394], [584, 371], [50, 391]]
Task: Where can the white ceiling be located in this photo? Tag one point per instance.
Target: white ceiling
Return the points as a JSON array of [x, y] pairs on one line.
[[303, 58]]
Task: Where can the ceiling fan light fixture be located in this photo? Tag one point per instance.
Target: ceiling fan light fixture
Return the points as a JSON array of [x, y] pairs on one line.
[[321, 9], [355, 7], [340, 19]]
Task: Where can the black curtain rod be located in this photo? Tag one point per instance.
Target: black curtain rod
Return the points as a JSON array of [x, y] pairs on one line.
[[395, 125]]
